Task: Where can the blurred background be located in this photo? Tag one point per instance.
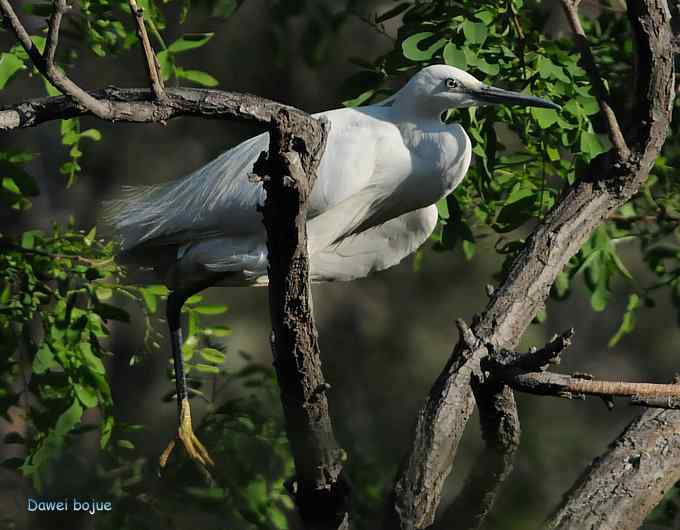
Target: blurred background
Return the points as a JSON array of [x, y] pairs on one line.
[[384, 339]]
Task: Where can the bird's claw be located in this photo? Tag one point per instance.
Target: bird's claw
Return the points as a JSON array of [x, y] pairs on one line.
[[193, 446]]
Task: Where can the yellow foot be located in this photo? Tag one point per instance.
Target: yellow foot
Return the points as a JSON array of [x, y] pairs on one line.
[[186, 435]]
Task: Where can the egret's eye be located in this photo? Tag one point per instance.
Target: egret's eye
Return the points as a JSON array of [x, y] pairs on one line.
[[452, 83]]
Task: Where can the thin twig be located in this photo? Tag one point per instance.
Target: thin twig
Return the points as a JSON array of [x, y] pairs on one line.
[[570, 387], [615, 134], [45, 62], [60, 7], [152, 67]]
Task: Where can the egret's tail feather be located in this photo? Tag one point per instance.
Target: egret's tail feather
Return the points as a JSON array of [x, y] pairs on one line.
[[189, 208]]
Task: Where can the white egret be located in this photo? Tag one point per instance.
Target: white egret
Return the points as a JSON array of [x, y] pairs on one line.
[[384, 168]]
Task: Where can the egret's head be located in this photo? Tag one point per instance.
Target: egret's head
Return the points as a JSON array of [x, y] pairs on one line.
[[438, 88]]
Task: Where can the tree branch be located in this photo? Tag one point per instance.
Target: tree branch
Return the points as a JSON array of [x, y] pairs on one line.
[[53, 30], [151, 62], [137, 105], [623, 485], [575, 386], [606, 184], [500, 426], [289, 172], [657, 402], [615, 134]]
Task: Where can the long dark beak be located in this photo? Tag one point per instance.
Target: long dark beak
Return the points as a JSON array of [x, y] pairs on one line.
[[495, 96]]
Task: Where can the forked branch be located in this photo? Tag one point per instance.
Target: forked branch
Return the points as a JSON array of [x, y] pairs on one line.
[[45, 64]]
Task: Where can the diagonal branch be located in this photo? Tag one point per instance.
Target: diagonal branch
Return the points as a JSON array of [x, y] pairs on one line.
[[623, 485], [152, 66], [615, 134], [605, 184]]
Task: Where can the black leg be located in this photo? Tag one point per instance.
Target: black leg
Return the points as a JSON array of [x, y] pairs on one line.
[[175, 302], [185, 434]]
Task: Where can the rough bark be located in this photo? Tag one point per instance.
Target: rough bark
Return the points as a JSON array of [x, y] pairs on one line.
[[289, 171], [606, 184], [501, 433], [139, 106], [623, 485]]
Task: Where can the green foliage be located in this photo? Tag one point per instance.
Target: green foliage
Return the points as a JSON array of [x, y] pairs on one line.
[[49, 283]]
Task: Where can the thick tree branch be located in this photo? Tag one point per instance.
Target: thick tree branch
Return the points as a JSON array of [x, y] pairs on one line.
[[151, 62], [289, 171], [623, 485], [605, 185], [615, 134], [138, 106]]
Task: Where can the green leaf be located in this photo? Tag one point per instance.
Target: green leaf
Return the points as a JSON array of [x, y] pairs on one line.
[[125, 444], [44, 359], [89, 238], [211, 309], [92, 134], [10, 64], [412, 46], [360, 99], [15, 179], [189, 41], [196, 76], [157, 289], [469, 249], [149, 300], [475, 32], [217, 331], [206, 368], [591, 145], [166, 65], [628, 321], [544, 117], [549, 70], [443, 208], [106, 430], [91, 360], [68, 419], [86, 395], [213, 355], [454, 56]]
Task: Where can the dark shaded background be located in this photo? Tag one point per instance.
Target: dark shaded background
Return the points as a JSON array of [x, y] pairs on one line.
[[384, 339]]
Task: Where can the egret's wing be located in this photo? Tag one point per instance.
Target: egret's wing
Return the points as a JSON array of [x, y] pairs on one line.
[[194, 207], [377, 248]]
